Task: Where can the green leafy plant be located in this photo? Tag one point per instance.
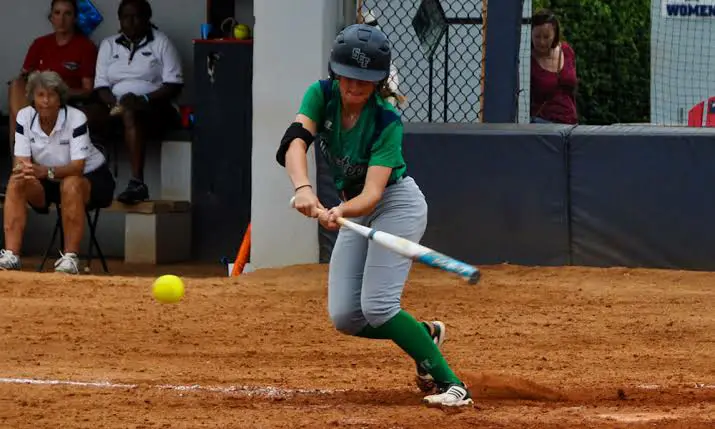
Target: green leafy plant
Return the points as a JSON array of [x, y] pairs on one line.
[[612, 44]]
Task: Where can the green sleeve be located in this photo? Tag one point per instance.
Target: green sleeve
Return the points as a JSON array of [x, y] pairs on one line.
[[387, 150], [312, 105]]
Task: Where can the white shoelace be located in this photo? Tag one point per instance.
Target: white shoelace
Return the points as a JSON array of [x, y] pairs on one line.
[[67, 257]]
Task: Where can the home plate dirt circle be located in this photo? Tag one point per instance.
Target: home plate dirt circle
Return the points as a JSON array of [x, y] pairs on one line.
[[539, 348]]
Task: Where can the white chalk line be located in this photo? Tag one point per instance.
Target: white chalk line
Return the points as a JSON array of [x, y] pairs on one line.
[[689, 385], [250, 391], [262, 391]]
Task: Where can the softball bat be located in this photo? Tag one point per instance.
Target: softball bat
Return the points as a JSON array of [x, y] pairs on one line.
[[412, 250]]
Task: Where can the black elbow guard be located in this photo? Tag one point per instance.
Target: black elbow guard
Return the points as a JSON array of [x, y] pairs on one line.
[[294, 131]]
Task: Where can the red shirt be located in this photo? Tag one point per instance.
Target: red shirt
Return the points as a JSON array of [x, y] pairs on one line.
[[552, 93], [73, 62]]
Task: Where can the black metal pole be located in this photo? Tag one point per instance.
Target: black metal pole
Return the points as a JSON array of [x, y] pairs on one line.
[[502, 61], [429, 91], [446, 75]]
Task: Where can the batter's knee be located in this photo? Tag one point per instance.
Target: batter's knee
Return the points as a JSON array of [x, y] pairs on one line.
[[348, 323], [377, 314]]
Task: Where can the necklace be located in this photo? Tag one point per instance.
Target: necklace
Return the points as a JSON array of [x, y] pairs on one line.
[[351, 117]]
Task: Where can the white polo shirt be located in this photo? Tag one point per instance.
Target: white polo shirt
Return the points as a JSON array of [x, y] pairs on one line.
[[140, 69], [68, 141]]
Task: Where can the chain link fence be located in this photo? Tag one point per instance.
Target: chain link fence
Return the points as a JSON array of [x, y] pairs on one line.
[[442, 73], [524, 92]]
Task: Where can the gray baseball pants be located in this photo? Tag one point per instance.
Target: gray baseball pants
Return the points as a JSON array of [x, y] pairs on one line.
[[366, 280]]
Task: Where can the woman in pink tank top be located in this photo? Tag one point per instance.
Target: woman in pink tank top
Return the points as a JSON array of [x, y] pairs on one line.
[[553, 73]]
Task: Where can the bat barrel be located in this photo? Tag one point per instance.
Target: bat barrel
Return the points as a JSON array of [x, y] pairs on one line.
[[474, 278], [449, 264]]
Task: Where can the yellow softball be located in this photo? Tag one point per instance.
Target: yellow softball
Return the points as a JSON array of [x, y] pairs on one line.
[[168, 289]]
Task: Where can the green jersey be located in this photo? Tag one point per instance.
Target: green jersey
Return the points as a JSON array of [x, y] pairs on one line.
[[375, 139]]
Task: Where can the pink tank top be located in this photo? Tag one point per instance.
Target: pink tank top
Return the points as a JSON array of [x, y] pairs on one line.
[[552, 94]]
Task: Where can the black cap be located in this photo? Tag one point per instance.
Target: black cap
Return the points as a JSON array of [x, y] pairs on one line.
[[361, 52]]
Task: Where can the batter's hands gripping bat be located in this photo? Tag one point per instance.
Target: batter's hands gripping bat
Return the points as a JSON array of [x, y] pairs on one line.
[[414, 251]]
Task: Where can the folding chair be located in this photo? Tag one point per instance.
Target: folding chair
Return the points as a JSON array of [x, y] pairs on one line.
[[92, 215]]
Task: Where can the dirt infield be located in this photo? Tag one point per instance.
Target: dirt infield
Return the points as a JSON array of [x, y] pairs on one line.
[[540, 347]]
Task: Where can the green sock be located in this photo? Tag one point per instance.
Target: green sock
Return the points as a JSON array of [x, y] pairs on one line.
[[379, 334], [413, 337]]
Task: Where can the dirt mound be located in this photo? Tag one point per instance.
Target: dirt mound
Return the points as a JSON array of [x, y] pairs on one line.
[[499, 386]]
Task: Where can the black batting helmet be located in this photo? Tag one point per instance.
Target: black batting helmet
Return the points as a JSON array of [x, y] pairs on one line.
[[361, 52]]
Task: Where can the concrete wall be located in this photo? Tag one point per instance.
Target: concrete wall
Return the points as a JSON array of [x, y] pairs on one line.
[[682, 60], [285, 63]]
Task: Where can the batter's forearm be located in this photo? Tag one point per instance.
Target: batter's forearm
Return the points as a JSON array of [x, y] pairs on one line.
[[297, 163], [363, 204]]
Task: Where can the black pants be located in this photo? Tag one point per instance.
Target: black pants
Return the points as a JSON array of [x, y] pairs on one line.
[[101, 194], [153, 120]]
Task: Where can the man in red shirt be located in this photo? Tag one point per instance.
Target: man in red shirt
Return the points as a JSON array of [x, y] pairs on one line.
[[65, 51]]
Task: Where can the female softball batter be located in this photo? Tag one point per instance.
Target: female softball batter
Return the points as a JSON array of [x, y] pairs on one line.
[[360, 135]]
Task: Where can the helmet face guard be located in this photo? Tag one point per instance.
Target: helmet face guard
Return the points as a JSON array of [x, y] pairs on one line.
[[361, 52]]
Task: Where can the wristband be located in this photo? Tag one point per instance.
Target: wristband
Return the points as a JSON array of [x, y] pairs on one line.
[[303, 186]]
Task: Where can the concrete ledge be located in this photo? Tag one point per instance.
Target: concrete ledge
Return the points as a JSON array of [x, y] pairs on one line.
[[157, 238], [175, 170], [156, 232], [151, 207]]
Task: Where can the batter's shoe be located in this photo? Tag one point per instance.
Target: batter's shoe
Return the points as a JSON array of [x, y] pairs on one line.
[[9, 260], [450, 396], [438, 332]]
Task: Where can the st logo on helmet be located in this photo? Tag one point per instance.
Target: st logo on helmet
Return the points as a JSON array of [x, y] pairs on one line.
[[360, 57], [361, 52]]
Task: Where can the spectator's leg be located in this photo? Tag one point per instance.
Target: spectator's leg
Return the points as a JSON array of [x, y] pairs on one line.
[[97, 119], [134, 137], [135, 143], [74, 195], [17, 100], [19, 193]]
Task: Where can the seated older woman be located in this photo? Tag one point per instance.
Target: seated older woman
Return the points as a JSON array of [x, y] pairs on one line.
[[55, 162], [138, 77]]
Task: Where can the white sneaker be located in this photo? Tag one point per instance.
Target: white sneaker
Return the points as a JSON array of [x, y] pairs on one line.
[[451, 395], [68, 263], [9, 261], [438, 332]]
